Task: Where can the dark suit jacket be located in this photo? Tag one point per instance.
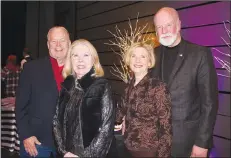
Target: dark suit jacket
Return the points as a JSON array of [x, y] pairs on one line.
[[36, 100], [194, 94]]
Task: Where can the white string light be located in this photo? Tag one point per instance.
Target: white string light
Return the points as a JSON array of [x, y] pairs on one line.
[[224, 63], [124, 42]]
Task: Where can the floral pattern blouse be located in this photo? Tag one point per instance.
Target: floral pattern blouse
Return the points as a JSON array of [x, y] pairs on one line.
[[147, 111]]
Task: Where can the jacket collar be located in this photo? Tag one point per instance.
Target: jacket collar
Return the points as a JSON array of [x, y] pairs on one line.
[[87, 80], [142, 81], [179, 60], [84, 82]]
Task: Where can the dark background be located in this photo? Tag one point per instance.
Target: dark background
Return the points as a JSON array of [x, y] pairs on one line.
[[13, 29]]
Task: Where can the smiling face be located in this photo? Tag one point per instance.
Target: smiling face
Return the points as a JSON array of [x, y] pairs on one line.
[[139, 61], [167, 26], [82, 60], [58, 43]]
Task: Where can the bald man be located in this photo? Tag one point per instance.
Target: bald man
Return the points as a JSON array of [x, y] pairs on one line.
[[37, 95], [190, 74]]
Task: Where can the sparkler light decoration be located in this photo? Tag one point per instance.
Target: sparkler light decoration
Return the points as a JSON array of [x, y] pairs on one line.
[[224, 63], [124, 41]]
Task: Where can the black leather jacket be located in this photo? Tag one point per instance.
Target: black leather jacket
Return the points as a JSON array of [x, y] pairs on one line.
[[92, 127]]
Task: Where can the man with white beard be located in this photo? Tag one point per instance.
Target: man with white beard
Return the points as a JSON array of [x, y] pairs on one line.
[[190, 75]]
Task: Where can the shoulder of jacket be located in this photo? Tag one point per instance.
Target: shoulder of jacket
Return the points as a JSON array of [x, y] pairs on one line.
[[37, 62], [195, 47], [101, 83], [101, 80]]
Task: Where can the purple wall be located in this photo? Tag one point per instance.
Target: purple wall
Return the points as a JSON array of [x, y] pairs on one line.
[[204, 25]]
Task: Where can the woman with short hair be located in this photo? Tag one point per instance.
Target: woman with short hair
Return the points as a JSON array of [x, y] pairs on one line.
[[146, 106]]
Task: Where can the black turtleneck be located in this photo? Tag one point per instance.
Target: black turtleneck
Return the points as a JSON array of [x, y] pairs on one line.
[[170, 55]]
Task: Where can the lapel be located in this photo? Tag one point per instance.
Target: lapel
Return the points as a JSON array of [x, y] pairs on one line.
[[179, 61], [49, 74]]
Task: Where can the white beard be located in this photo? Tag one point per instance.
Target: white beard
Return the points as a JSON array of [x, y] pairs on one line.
[[169, 41]]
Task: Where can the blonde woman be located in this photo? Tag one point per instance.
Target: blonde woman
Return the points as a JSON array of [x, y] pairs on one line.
[[84, 119], [146, 107]]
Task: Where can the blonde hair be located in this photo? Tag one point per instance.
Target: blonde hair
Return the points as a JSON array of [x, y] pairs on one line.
[[147, 47], [68, 70]]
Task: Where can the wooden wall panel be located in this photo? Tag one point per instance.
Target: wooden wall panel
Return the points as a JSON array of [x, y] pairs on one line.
[[207, 14], [207, 36], [223, 82], [102, 47], [100, 8], [109, 58], [100, 32], [221, 126], [221, 147], [108, 74], [144, 9], [82, 4], [117, 86], [224, 104]]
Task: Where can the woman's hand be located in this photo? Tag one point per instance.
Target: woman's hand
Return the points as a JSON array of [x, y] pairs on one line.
[[69, 154], [123, 127], [117, 127], [120, 127]]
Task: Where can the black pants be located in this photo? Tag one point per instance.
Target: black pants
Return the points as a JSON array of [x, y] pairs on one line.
[[113, 152], [122, 151]]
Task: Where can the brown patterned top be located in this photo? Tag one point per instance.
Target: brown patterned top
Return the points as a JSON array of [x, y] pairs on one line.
[[147, 108]]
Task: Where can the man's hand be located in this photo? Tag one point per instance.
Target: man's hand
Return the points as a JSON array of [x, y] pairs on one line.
[[29, 145], [199, 152], [69, 154]]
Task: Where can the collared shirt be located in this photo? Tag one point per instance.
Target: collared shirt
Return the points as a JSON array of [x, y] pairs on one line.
[[57, 72]]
